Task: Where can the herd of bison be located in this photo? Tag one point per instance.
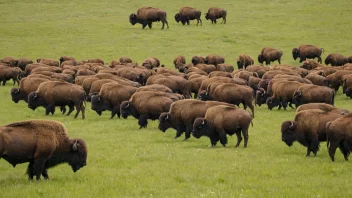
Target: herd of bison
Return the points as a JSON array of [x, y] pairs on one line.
[[150, 91]]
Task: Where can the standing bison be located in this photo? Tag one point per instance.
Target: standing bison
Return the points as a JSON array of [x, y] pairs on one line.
[[307, 51], [42, 143], [186, 14], [148, 15], [336, 60], [339, 134], [216, 13], [269, 55], [222, 120]]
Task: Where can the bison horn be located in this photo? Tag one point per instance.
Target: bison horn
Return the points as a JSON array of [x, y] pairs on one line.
[[128, 104], [167, 117], [291, 125], [203, 122], [98, 99], [75, 147], [35, 95], [17, 90]]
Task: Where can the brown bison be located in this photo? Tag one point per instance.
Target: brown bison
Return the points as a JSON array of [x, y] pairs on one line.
[[7, 73], [183, 113], [213, 59], [322, 106], [269, 55], [66, 58], [151, 62], [335, 79], [147, 105], [216, 13], [53, 93], [317, 79], [10, 61], [229, 93], [110, 97], [176, 83], [26, 86], [23, 62], [307, 51], [336, 60], [339, 134], [197, 59], [156, 87], [50, 62], [225, 67], [222, 120], [185, 14], [179, 60], [308, 128], [148, 15], [42, 143], [243, 61], [313, 93]]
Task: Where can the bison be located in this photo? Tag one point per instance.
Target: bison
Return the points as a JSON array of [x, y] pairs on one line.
[[322, 106], [339, 134], [313, 93], [308, 128], [42, 143], [183, 113], [243, 61], [179, 60], [307, 51], [336, 60], [148, 15], [269, 55], [216, 13], [186, 14], [53, 93], [222, 120]]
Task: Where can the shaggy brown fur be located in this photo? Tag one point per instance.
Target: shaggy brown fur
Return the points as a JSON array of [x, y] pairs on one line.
[[307, 51], [216, 13], [148, 15], [186, 14]]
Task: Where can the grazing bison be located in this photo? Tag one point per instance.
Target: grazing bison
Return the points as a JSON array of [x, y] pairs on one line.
[[222, 120], [148, 15], [269, 55], [147, 105], [339, 134], [49, 62], [229, 93], [243, 61], [10, 61], [213, 59], [322, 106], [110, 97], [225, 67], [307, 51], [42, 143], [336, 60], [313, 93], [151, 62], [183, 113], [53, 93], [66, 58], [176, 83], [27, 85], [185, 14], [7, 73], [197, 59], [317, 79], [308, 128], [216, 13], [23, 62]]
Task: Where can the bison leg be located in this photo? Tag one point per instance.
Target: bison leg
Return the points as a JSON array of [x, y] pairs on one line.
[[79, 107], [115, 111], [83, 108], [71, 108], [214, 139], [284, 104], [344, 148], [290, 105], [279, 60], [143, 121], [38, 167], [319, 60], [314, 146], [302, 59], [239, 138], [50, 109], [179, 131], [188, 132], [45, 173], [250, 105], [150, 25], [63, 109], [30, 171], [245, 136], [332, 149], [144, 25], [223, 138]]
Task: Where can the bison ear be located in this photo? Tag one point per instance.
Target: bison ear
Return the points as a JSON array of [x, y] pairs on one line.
[[75, 146], [128, 104]]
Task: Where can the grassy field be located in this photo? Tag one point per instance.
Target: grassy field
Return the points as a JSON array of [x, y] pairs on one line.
[[126, 162]]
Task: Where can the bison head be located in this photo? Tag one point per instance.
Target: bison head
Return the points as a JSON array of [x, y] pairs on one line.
[[125, 109], [204, 96], [133, 19], [261, 97], [200, 128], [34, 100], [295, 53], [38, 60], [297, 98], [17, 95], [348, 92], [272, 102], [99, 104], [207, 16], [178, 17], [147, 65], [261, 58], [78, 155], [328, 60], [239, 65], [195, 60], [288, 132], [164, 121]]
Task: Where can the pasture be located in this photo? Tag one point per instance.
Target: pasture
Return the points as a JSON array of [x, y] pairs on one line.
[[124, 161]]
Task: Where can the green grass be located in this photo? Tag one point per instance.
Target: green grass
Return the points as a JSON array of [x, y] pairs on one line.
[[126, 162]]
